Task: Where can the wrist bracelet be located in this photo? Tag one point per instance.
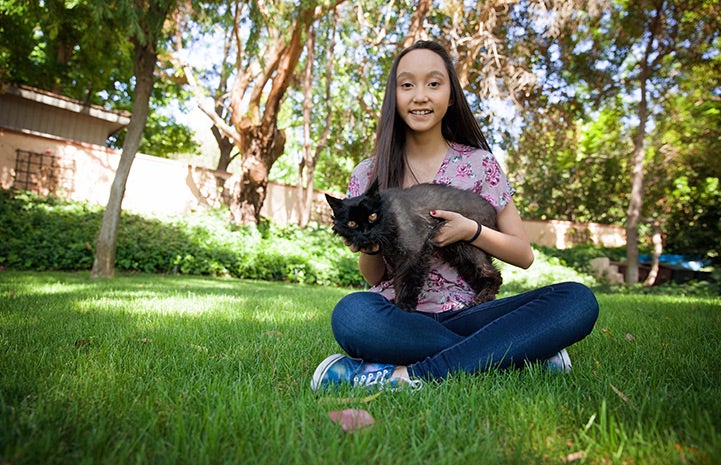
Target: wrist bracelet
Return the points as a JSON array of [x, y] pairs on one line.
[[478, 233]]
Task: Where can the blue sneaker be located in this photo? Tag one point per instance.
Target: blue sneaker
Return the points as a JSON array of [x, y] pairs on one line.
[[560, 362], [339, 369]]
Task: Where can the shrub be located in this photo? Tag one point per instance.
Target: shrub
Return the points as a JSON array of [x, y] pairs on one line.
[[48, 233]]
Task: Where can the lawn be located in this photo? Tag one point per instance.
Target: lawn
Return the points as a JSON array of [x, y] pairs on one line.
[[192, 370]]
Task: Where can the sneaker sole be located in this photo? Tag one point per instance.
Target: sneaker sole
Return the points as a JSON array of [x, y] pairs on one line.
[[320, 372], [566, 365]]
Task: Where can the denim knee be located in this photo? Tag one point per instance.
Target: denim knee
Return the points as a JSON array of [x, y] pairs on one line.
[[347, 309], [586, 306], [588, 299], [349, 318]]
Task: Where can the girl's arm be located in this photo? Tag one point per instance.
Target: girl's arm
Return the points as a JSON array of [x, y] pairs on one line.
[[372, 267], [510, 243]]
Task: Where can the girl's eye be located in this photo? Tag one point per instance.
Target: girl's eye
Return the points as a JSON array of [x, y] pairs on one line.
[[352, 224], [372, 217], [434, 84], [406, 85]]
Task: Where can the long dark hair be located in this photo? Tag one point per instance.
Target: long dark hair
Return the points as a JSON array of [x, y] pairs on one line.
[[458, 125]]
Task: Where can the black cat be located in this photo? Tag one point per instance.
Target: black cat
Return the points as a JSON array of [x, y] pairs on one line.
[[397, 223]]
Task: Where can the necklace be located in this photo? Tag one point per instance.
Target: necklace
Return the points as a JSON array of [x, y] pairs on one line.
[[415, 178], [410, 170]]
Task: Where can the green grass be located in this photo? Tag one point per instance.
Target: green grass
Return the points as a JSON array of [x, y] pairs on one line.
[[192, 370]]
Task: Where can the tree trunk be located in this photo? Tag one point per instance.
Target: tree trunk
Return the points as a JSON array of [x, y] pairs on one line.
[[106, 245], [225, 143], [657, 251], [636, 202], [304, 165], [263, 146], [635, 205], [261, 142], [255, 100], [307, 207], [225, 146]]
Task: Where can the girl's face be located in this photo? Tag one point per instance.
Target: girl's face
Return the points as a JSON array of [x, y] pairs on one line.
[[423, 91]]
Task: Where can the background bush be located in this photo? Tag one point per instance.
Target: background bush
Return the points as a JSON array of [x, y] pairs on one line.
[[48, 233]]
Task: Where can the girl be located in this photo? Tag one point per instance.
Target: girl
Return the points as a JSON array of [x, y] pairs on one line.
[[427, 133]]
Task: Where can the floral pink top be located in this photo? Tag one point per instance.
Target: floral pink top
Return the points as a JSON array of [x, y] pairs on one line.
[[466, 168]]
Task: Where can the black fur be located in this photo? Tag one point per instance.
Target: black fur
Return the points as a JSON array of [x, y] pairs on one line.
[[398, 221]]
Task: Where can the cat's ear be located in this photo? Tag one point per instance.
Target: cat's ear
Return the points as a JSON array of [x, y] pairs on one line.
[[333, 201], [373, 188]]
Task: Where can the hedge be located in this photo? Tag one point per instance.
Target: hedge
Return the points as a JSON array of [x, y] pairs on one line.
[[49, 233]]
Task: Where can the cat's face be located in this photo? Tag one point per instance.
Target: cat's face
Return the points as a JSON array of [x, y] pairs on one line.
[[357, 219]]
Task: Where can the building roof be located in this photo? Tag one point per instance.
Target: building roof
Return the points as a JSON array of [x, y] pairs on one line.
[[28, 109]]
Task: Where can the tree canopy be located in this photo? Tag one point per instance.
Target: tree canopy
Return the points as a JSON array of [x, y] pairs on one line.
[[603, 110]]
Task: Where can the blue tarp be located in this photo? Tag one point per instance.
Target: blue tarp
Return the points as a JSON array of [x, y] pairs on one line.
[[677, 261]]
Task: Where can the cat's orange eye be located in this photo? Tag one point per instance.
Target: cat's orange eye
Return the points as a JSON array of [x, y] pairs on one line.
[[372, 217], [352, 224]]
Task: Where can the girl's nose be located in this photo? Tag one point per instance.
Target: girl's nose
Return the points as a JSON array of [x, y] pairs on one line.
[[420, 96]]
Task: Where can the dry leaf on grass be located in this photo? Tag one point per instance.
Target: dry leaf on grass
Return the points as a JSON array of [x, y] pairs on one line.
[[351, 420], [621, 394], [199, 348], [574, 456], [695, 454], [349, 400]]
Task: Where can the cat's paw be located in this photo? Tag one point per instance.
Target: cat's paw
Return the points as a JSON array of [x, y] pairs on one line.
[[372, 250]]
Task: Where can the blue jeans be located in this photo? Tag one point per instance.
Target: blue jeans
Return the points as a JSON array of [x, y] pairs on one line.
[[531, 326]]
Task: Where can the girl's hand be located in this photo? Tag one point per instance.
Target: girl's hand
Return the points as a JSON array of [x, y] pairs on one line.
[[455, 228], [509, 242], [370, 251]]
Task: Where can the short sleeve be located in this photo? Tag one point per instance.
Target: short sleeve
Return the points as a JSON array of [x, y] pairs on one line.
[[360, 178]]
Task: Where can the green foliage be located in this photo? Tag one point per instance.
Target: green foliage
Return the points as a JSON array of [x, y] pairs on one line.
[[571, 160], [696, 225], [575, 171], [162, 137], [52, 234], [54, 45], [547, 269], [16, 39], [579, 257], [688, 168]]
